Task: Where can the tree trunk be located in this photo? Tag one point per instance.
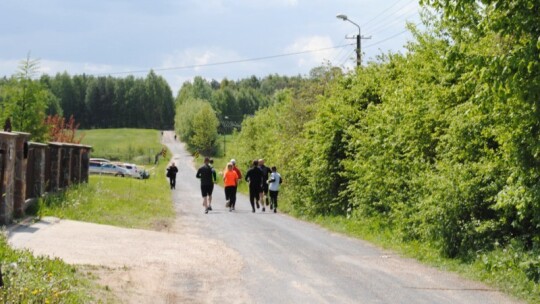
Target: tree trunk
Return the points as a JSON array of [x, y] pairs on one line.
[[1, 281]]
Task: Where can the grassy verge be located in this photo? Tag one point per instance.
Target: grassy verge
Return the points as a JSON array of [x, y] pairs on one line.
[[116, 201], [124, 202], [29, 279]]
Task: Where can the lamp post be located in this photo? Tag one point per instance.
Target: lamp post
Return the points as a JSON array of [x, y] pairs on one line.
[[225, 118], [359, 38]]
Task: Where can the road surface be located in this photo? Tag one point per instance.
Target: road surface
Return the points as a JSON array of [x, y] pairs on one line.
[[241, 257]]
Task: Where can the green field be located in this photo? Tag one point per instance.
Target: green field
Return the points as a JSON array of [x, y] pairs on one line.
[[129, 145]]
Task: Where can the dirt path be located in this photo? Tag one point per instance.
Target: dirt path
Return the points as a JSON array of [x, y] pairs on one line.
[[140, 266], [241, 257]]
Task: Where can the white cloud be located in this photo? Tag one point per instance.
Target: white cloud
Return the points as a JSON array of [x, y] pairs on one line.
[[8, 67], [207, 60], [224, 4], [321, 47]]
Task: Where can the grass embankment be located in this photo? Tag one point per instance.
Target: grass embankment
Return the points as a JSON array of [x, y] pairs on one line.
[[109, 200], [124, 202]]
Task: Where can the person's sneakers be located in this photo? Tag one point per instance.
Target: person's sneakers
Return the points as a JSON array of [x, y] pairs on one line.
[[271, 206], [209, 208], [253, 211], [263, 209], [206, 211], [275, 210], [258, 205]]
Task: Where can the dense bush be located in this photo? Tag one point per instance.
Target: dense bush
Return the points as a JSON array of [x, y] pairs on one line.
[[442, 143]]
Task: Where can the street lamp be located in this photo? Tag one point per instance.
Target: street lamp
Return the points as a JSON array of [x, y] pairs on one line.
[[224, 130], [359, 37]]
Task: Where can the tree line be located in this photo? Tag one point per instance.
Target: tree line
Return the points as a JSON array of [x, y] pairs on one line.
[[108, 102], [206, 108], [92, 101]]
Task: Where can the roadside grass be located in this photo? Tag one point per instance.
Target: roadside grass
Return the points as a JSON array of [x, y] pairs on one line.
[[29, 279], [129, 145], [123, 202]]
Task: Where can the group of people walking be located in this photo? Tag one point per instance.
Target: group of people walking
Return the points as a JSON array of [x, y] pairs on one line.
[[263, 184]]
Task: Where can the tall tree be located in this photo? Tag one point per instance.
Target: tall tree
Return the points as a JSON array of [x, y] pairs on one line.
[[25, 100]]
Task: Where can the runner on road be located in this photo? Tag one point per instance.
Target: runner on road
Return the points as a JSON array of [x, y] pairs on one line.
[[230, 180], [254, 178], [205, 174], [171, 174], [273, 185], [214, 176], [264, 191]]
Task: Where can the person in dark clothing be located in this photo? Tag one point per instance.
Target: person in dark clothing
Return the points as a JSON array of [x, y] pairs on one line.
[[214, 175], [255, 179], [171, 174], [264, 191], [205, 174]]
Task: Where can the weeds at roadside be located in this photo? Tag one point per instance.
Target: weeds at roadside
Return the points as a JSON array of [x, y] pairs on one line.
[[29, 279]]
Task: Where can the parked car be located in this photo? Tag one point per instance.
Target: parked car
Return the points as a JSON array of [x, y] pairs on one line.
[[132, 169], [99, 160], [107, 168]]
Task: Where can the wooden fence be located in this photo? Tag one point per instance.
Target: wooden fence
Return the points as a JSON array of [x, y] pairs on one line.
[[28, 170]]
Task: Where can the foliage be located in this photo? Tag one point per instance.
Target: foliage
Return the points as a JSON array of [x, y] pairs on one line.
[[60, 131], [25, 101], [275, 133], [196, 124], [441, 145], [205, 135], [29, 279], [234, 100], [107, 102]]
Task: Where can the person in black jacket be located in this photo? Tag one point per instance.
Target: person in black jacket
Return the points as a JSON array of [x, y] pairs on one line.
[[206, 175], [254, 177], [171, 174], [264, 191]]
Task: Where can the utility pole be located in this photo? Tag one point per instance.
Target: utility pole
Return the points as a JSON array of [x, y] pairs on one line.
[[359, 38], [225, 127]]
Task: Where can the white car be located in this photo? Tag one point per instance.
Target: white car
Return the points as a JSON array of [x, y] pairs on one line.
[[107, 168], [99, 160], [132, 169]]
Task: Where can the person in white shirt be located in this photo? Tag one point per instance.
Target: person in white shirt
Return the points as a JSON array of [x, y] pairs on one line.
[[273, 186]]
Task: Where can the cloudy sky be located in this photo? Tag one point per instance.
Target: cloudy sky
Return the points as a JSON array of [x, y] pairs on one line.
[[181, 39]]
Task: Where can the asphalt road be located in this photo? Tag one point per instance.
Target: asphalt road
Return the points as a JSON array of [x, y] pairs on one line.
[[241, 257], [290, 261]]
